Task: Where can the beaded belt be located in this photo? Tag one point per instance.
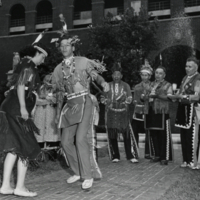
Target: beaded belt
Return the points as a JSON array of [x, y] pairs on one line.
[[76, 94], [13, 87], [118, 110]]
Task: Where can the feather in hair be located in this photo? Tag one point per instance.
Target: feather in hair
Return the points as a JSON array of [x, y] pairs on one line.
[[40, 36]]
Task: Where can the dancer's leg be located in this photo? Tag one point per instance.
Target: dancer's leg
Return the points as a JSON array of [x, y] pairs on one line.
[[7, 171], [67, 141], [21, 174]]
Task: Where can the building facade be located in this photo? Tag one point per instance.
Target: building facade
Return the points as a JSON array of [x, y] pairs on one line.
[[21, 20]]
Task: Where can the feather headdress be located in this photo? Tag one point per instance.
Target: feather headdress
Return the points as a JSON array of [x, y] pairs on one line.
[[116, 67], [40, 36], [146, 68], [63, 32]]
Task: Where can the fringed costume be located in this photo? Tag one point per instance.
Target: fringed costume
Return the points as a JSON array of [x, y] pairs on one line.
[[71, 80], [157, 122], [117, 120], [187, 120], [16, 134], [138, 115]]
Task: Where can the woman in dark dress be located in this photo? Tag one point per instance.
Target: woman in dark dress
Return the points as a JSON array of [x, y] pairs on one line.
[[17, 129]]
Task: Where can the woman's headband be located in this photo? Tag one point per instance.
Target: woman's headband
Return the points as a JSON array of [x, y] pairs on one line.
[[146, 71], [41, 50]]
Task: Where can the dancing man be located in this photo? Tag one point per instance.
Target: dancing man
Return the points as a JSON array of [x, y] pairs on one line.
[[71, 79]]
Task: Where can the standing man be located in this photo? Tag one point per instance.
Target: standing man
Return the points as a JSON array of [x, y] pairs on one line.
[[187, 115], [117, 121], [157, 120], [138, 117], [71, 79]]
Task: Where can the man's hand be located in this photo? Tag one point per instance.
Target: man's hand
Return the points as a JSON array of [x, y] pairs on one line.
[[105, 86], [6, 93], [103, 100]]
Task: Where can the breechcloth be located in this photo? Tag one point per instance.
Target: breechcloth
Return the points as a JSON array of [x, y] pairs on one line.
[[161, 141]]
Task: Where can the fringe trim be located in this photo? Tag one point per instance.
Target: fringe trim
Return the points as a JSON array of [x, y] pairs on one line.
[[3, 122], [135, 149], [25, 160], [96, 65], [25, 76], [28, 125]]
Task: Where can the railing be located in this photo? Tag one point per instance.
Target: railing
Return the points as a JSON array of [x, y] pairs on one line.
[[83, 15], [191, 3], [161, 5], [44, 19], [17, 22], [77, 15]]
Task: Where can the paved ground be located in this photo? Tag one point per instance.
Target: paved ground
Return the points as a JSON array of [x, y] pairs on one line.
[[143, 181]]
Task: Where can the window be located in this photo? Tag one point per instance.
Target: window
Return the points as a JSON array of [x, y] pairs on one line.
[[82, 13], [154, 5], [159, 9], [44, 15], [114, 7], [17, 19], [192, 7], [191, 3]]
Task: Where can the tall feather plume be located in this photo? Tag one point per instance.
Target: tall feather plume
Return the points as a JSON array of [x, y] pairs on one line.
[[40, 36], [63, 31]]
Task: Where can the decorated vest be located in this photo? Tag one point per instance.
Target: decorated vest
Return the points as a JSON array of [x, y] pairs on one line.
[[117, 111], [185, 112], [140, 89], [188, 88], [158, 105]]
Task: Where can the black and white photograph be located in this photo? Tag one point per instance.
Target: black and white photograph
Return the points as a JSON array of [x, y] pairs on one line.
[[100, 99]]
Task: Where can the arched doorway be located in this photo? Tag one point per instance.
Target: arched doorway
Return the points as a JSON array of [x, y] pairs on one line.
[[174, 60]]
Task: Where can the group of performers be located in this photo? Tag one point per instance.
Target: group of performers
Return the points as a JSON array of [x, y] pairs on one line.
[[76, 114]]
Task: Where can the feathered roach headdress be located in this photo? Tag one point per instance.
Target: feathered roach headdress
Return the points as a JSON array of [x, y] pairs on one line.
[[64, 32], [116, 67], [146, 68]]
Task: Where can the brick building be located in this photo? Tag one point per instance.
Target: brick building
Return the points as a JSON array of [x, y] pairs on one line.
[[21, 20]]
